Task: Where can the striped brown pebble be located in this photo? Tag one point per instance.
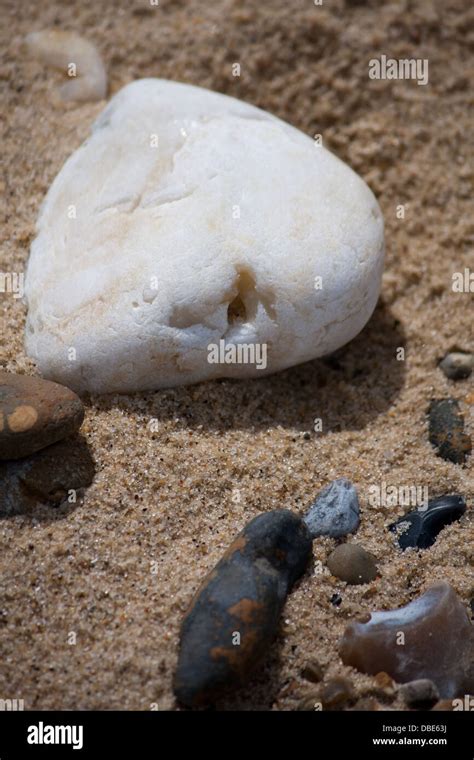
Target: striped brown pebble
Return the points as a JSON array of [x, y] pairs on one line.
[[234, 615]]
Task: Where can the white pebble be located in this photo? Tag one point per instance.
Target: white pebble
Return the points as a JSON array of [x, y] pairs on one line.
[[78, 58], [194, 236]]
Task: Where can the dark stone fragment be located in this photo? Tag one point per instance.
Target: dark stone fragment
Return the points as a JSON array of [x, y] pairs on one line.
[[234, 616], [420, 528], [446, 431]]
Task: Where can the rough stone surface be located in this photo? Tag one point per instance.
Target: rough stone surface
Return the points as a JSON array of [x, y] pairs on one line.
[[197, 218], [243, 595], [352, 564], [335, 511], [437, 643], [35, 413]]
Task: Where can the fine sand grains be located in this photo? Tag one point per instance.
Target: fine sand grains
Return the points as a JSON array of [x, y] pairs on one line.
[[180, 472]]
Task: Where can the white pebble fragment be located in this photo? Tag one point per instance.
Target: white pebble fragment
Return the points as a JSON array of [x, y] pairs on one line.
[[194, 236], [335, 511], [76, 57]]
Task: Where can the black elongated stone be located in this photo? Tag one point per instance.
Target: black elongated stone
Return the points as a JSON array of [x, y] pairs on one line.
[[446, 430], [234, 615], [423, 525]]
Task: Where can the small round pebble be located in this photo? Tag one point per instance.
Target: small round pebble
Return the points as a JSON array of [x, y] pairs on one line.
[[457, 365], [335, 512], [421, 693], [313, 672], [352, 564]]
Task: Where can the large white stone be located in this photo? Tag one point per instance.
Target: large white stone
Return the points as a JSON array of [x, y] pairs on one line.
[[191, 219]]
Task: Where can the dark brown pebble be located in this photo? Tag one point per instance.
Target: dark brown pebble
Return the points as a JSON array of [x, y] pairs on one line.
[[235, 614], [35, 413]]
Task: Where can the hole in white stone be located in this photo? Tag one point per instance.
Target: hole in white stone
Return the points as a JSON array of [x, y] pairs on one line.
[[244, 305]]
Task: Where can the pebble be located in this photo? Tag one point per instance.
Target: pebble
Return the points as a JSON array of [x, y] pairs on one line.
[[309, 703], [446, 430], [337, 693], [45, 478], [59, 48], [176, 181], [420, 528], [35, 413], [457, 365], [431, 637], [335, 511], [352, 564], [312, 671], [235, 614], [421, 693]]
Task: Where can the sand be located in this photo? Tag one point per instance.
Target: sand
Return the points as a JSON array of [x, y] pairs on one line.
[[118, 568]]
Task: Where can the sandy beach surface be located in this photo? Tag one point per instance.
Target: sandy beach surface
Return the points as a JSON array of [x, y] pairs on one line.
[[118, 568]]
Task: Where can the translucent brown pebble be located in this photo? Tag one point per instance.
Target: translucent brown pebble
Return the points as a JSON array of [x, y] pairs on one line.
[[384, 681], [337, 694], [429, 638], [235, 614], [446, 431], [35, 413]]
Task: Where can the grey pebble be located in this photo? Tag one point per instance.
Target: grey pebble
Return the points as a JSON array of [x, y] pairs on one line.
[[420, 693], [335, 511], [457, 365]]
